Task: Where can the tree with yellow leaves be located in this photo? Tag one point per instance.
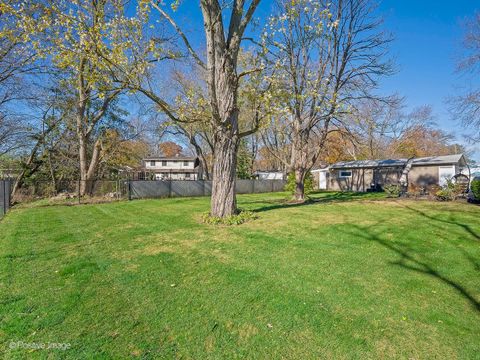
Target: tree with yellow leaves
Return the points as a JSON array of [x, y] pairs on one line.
[[84, 43]]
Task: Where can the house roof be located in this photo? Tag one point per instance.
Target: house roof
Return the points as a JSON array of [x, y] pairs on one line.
[[177, 158], [268, 172], [431, 160], [369, 163], [434, 160], [173, 171]]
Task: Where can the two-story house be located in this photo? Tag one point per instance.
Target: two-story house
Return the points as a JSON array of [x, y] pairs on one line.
[[170, 168]]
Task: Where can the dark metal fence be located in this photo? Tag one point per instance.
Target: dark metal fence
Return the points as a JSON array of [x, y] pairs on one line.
[[76, 191], [72, 191], [5, 188], [139, 189]]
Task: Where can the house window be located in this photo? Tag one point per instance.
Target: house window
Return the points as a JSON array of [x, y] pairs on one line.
[[185, 163], [345, 174], [152, 163], [164, 163], [187, 176]]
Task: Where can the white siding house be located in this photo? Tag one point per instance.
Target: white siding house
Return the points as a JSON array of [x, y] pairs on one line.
[[269, 175], [174, 168]]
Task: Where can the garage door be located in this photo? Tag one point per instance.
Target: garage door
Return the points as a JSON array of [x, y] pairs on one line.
[[445, 173], [322, 180]]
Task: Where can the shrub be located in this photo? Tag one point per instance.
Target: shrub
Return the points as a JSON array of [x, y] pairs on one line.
[[475, 186], [240, 218], [449, 192], [444, 194], [308, 183], [392, 190]]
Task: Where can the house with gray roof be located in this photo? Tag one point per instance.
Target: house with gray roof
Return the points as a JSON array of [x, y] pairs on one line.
[[369, 175]]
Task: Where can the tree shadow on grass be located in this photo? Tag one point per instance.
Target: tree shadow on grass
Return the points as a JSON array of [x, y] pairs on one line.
[[410, 261], [465, 227], [312, 200]]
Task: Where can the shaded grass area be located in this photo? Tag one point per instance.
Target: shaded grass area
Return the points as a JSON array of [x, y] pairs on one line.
[[342, 276]]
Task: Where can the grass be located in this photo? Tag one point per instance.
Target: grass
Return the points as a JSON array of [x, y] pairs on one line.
[[346, 276]]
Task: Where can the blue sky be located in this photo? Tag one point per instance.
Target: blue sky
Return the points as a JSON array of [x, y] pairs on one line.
[[428, 37], [427, 45]]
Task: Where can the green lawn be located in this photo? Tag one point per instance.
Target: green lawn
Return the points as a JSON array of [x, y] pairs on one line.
[[345, 277]]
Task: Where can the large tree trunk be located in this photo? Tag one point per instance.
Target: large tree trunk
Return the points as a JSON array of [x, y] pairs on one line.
[[223, 87], [299, 164], [222, 80], [221, 68], [223, 201], [82, 150], [88, 168], [299, 194]]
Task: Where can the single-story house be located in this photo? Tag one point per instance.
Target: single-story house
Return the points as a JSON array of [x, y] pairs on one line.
[[370, 175]]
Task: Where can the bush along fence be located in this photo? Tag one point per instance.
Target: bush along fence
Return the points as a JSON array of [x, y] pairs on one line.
[[140, 189], [5, 189]]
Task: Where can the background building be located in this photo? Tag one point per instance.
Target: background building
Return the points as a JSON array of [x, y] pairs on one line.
[[170, 168]]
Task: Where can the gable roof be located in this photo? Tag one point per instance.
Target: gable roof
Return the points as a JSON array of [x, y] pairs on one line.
[[431, 160]]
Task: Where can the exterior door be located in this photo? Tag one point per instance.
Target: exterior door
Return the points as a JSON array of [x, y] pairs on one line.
[[445, 173], [322, 180]]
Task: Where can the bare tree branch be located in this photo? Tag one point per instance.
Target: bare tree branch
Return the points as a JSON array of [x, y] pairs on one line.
[[157, 5]]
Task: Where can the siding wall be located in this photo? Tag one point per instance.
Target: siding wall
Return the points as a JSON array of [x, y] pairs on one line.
[[171, 165], [419, 176], [385, 176], [423, 176], [360, 180]]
